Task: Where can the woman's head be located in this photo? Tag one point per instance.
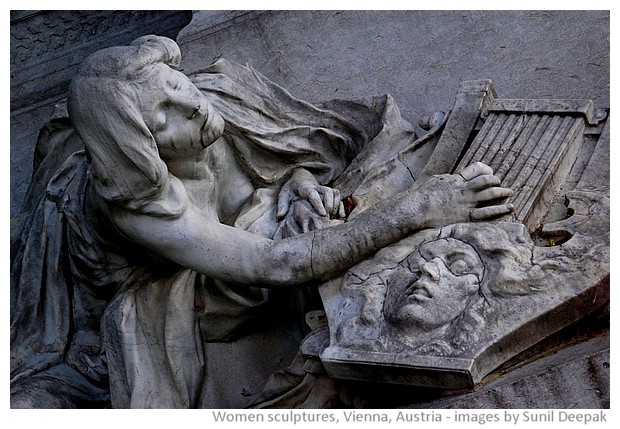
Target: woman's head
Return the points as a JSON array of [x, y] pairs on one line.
[[130, 107]]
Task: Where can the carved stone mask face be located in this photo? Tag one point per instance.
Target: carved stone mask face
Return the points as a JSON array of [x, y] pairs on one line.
[[178, 115], [443, 274]]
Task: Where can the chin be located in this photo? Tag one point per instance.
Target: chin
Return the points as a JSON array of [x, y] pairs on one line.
[[211, 137], [214, 131], [409, 315], [415, 317]]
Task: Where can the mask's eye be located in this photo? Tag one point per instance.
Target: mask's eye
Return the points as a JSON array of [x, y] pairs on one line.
[[459, 267]]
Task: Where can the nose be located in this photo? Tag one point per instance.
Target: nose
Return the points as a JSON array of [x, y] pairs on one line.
[[430, 268], [190, 106]]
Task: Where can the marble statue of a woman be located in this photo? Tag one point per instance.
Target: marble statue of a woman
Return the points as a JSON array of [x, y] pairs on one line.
[[189, 198]]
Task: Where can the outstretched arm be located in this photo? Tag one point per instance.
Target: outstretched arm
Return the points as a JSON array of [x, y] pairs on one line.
[[201, 243]]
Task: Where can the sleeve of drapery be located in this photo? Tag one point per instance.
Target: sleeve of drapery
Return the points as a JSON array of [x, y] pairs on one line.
[[273, 132], [57, 140], [41, 308]]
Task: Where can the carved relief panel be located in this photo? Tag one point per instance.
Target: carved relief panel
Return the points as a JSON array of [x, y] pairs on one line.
[[447, 306]]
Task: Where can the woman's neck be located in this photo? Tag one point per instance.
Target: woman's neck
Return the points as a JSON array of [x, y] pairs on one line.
[[190, 167]]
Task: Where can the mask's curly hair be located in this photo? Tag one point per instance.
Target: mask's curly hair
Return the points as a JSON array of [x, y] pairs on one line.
[[509, 270], [506, 251]]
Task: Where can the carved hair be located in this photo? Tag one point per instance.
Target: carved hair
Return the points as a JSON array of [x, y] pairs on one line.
[[509, 270], [104, 106], [507, 253]]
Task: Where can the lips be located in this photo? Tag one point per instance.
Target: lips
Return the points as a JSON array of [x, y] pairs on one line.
[[419, 292]]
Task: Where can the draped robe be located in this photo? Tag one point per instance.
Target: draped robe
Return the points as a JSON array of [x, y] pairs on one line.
[[93, 313]]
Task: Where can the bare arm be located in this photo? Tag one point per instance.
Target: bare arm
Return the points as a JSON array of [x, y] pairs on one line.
[[201, 243]]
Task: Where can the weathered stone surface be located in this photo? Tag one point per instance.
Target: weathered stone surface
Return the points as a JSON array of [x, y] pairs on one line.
[[564, 206], [446, 307], [184, 200], [577, 377], [48, 46], [419, 57]]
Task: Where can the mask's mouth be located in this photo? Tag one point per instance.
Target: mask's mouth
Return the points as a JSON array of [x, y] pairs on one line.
[[419, 292]]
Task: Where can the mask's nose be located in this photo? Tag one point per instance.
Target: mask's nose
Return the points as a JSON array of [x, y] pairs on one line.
[[431, 269]]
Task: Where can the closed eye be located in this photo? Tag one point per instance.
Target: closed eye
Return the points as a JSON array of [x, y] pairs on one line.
[[459, 267], [176, 83]]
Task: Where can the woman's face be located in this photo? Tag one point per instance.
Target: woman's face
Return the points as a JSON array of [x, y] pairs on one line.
[[178, 115], [444, 274]]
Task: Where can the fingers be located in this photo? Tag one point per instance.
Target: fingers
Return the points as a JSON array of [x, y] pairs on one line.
[[331, 200], [328, 199], [482, 182], [306, 219], [330, 203], [316, 202], [494, 194], [491, 212], [480, 179], [301, 216], [304, 224], [284, 200], [323, 199], [341, 211], [475, 170]]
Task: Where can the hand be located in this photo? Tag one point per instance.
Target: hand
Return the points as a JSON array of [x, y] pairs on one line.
[[473, 194], [300, 218], [302, 185]]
